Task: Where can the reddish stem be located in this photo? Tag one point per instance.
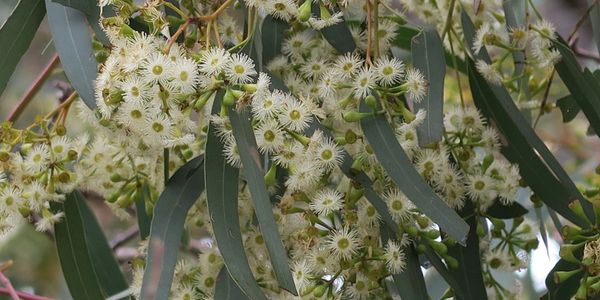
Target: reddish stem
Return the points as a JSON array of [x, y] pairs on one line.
[[33, 89], [9, 288], [23, 295]]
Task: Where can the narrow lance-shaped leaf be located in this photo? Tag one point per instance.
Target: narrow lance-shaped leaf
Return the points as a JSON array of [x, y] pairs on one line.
[[514, 12], [180, 193], [246, 143], [16, 35], [581, 85], [521, 145], [144, 220], [74, 45], [442, 269], [468, 274], [222, 197], [394, 160], [226, 288], [87, 261], [272, 37], [568, 107], [595, 21], [510, 211], [410, 282], [337, 35], [403, 39], [428, 57]]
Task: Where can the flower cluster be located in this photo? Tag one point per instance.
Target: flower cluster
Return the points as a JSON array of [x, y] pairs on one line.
[[155, 95]]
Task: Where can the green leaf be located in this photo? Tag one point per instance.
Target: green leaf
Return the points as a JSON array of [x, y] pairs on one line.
[[337, 35], [567, 288], [87, 261], [568, 107], [582, 85], [272, 37], [595, 21], [428, 57], [144, 220], [514, 10], [74, 45], [521, 145], [404, 36], [16, 35], [394, 160], [510, 211], [410, 282], [254, 173], [180, 193], [226, 288], [441, 268], [468, 274], [92, 12], [403, 39], [222, 197]]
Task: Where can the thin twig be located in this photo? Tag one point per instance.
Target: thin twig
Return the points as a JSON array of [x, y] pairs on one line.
[[214, 15], [369, 32], [59, 108], [24, 295], [173, 38], [10, 289], [125, 236], [33, 89]]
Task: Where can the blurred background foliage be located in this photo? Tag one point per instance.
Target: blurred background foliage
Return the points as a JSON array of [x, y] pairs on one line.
[[36, 268]]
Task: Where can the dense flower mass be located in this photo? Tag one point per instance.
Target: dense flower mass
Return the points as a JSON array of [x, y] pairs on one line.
[[159, 92]]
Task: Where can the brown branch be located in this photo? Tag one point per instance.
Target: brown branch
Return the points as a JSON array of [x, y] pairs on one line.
[[33, 89], [9, 288], [123, 237]]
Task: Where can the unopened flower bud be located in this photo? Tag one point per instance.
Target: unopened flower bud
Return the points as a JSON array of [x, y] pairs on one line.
[[304, 11], [354, 116]]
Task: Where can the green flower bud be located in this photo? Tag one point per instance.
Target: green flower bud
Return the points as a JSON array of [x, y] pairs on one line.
[[354, 116], [229, 98], [127, 31], [271, 176], [561, 276], [304, 11], [371, 101], [439, 247], [320, 290]]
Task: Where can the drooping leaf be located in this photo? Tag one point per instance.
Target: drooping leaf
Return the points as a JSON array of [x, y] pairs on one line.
[[180, 193], [410, 282], [568, 107], [441, 268], [337, 35], [144, 220], [542, 227], [514, 10], [404, 36], [222, 197], [226, 288], [272, 37], [87, 261], [595, 21], [92, 12], [428, 57], [582, 85], [567, 288], [16, 35], [468, 275], [394, 160], [74, 45], [510, 211], [521, 145], [403, 39], [254, 173]]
